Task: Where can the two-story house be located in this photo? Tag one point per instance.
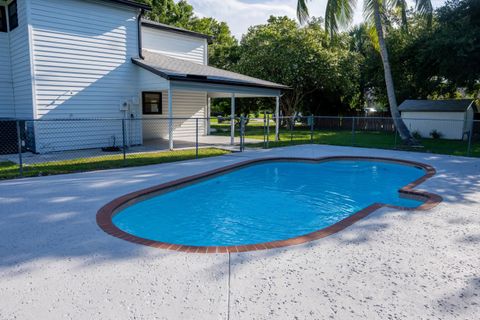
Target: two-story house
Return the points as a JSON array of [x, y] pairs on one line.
[[86, 59]]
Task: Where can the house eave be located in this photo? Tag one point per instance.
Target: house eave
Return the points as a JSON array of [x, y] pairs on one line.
[[148, 68], [130, 3], [227, 82], [161, 26]]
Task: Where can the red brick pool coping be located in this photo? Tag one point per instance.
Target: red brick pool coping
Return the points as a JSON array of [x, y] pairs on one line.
[[106, 213]]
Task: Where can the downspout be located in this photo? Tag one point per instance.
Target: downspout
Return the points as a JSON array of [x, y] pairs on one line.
[[140, 55], [139, 37]]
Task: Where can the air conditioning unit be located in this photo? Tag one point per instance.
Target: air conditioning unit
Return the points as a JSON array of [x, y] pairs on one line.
[[9, 136]]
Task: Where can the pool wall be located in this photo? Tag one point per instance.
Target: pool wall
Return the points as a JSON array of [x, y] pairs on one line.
[[106, 213]]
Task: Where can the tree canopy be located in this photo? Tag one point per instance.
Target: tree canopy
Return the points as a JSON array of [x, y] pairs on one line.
[[437, 58], [438, 62], [304, 59]]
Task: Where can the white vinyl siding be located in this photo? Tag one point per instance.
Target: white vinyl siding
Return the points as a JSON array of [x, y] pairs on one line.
[[6, 85], [187, 105], [21, 64], [148, 81], [82, 54], [175, 45]]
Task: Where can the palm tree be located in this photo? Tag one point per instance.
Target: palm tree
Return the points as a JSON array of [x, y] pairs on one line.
[[340, 12]]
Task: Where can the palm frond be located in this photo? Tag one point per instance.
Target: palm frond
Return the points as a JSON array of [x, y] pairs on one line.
[[368, 10], [401, 5], [425, 8], [302, 11], [373, 35], [338, 13]]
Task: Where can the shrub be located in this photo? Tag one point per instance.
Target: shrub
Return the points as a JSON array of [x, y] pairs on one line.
[[435, 134], [416, 134]]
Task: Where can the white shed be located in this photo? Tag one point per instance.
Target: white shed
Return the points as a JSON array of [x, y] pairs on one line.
[[453, 119]]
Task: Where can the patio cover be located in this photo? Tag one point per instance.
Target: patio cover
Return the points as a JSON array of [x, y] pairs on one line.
[[217, 82]]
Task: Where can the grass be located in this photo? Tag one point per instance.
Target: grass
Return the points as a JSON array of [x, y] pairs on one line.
[[381, 140], [225, 125], [9, 170], [366, 139]]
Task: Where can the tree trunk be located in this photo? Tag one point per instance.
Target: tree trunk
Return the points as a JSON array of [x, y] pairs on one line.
[[392, 100]]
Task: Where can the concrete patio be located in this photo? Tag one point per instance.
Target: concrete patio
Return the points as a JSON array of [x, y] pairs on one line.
[[56, 263]]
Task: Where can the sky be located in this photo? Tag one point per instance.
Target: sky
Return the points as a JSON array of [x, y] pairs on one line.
[[241, 14]]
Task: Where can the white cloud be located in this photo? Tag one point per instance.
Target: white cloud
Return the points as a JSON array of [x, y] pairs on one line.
[[241, 14]]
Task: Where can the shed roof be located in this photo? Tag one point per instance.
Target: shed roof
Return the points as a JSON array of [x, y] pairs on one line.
[[458, 105], [162, 26], [182, 70]]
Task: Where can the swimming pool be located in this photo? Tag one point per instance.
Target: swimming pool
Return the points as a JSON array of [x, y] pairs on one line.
[[267, 202]]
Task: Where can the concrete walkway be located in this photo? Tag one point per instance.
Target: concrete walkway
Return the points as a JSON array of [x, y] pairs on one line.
[[56, 263]]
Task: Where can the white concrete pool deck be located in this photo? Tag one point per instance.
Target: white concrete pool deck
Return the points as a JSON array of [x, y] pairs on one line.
[[56, 263]]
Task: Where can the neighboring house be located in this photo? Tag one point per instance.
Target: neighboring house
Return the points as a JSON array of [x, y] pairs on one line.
[[453, 119], [85, 59]]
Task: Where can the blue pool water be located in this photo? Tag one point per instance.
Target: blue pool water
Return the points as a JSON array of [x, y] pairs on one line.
[[267, 202]]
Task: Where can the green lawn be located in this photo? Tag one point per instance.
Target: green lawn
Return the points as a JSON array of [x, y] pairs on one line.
[[10, 170], [367, 139], [300, 135]]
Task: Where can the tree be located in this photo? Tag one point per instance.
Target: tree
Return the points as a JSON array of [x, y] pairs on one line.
[[302, 58], [223, 52], [340, 12], [168, 12], [436, 61], [452, 50]]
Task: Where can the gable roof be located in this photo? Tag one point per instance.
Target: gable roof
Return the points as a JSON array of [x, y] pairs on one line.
[[458, 105], [182, 70], [166, 27], [131, 3]]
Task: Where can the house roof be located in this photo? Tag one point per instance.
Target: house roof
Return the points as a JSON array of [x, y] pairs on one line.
[[182, 70], [162, 26], [459, 105], [131, 3]]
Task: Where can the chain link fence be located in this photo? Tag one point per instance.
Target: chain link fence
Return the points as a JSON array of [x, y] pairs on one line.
[[441, 136], [42, 147]]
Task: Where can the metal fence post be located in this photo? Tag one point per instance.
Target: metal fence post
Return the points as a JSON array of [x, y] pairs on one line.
[[268, 129], [353, 131], [291, 128], [311, 128], [264, 129], [242, 132], [470, 134], [196, 138], [19, 141], [396, 134], [124, 143]]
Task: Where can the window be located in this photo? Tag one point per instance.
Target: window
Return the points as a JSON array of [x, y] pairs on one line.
[[12, 15], [3, 20], [152, 102]]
